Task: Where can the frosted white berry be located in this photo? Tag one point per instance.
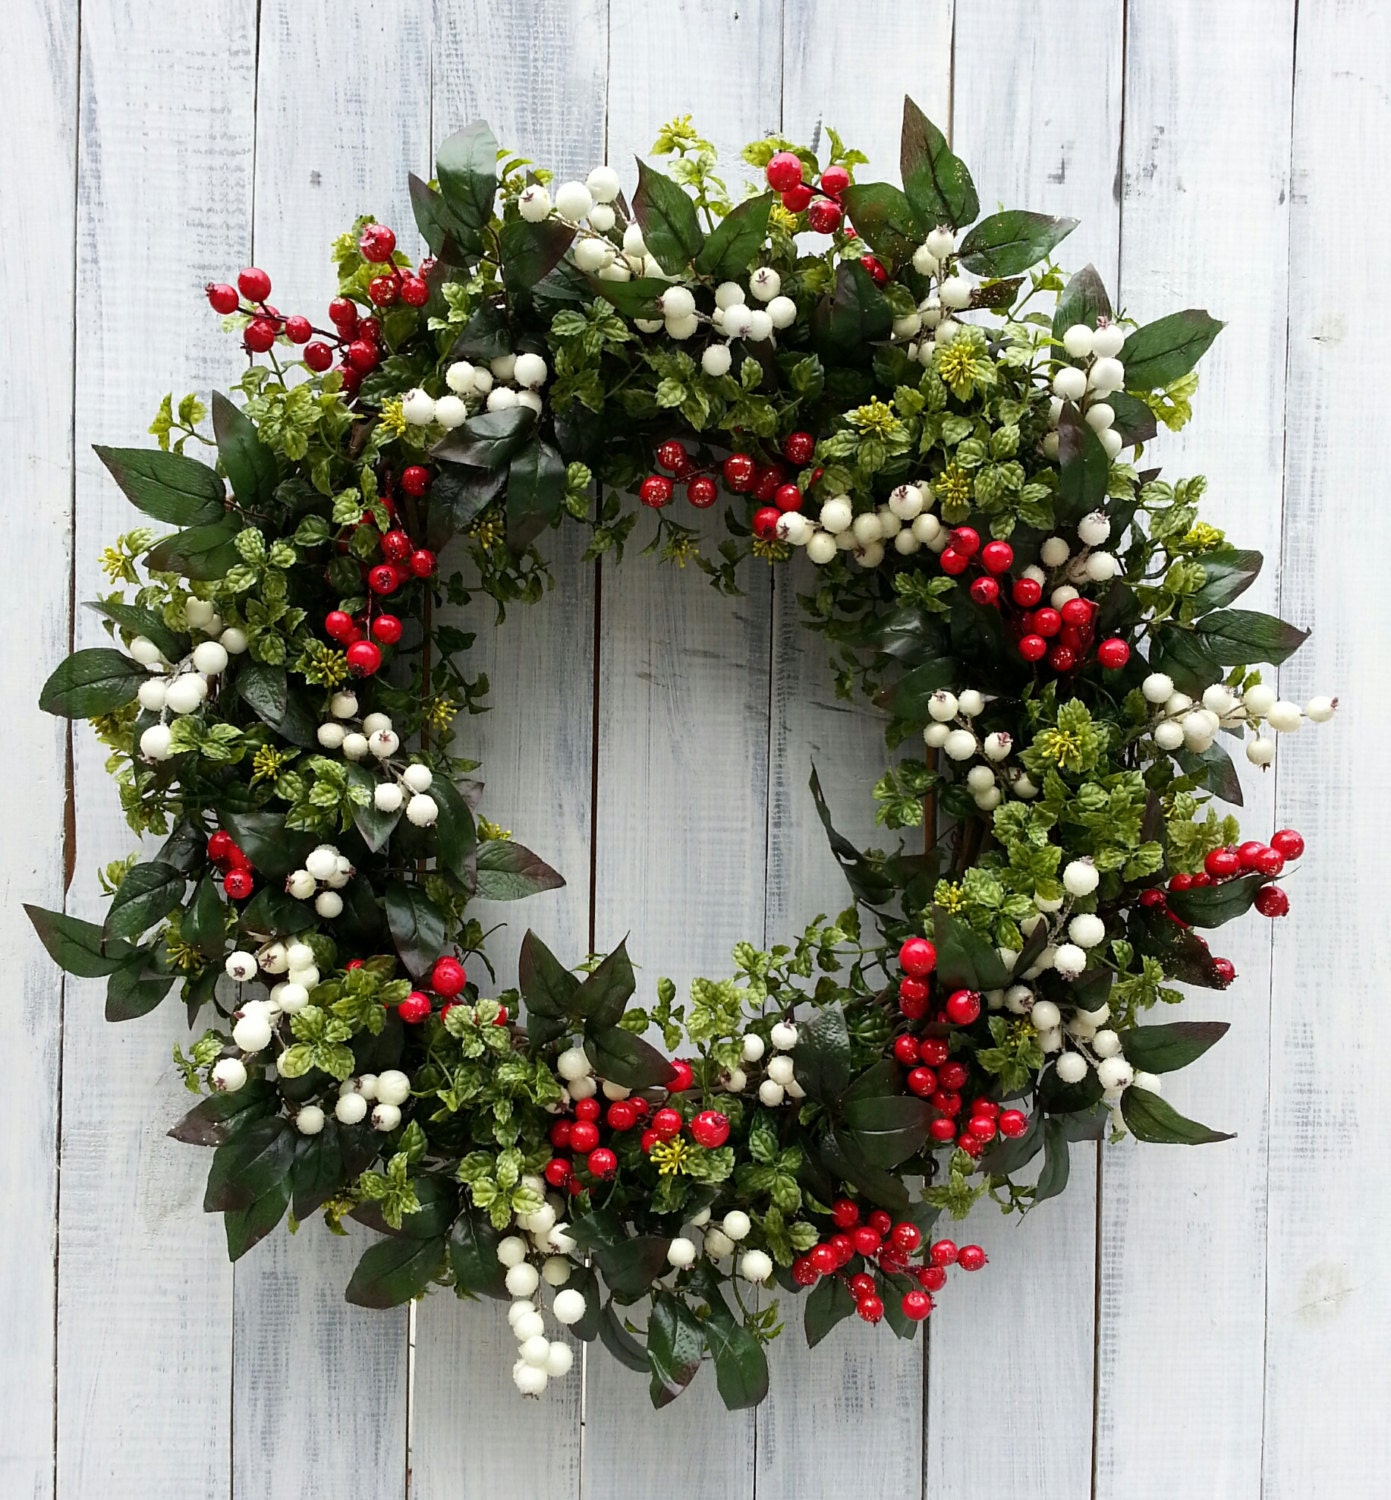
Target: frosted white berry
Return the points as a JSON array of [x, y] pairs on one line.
[[331, 736], [1045, 1015], [783, 312], [1106, 375], [1100, 417], [1108, 340], [1080, 877], [935, 735], [1106, 1043], [418, 408], [573, 1064], [252, 1033], [755, 1266], [1077, 340], [1071, 1067], [1102, 567], [152, 693], [998, 745], [1086, 929], [384, 743], [971, 703], [1320, 710], [603, 184], [354, 746], [924, 261], [781, 1069], [573, 201], [241, 966], [393, 1087], [1150, 1082], [716, 360], [1115, 1073], [765, 283], [1070, 383], [1284, 716], [185, 693], [351, 1109], [388, 797], [942, 706], [523, 1279], [821, 549], [1258, 700], [301, 885], [328, 904], [717, 1244], [1260, 751], [1219, 698], [771, 1093], [210, 657], [1069, 960], [784, 1036], [309, 1120], [534, 203], [569, 1306], [511, 1251], [322, 861], [980, 778], [450, 412], [940, 242], [1054, 552], [681, 1253], [955, 292], [592, 254], [422, 810], [530, 371], [736, 1224], [229, 1075], [1168, 735], [960, 744]]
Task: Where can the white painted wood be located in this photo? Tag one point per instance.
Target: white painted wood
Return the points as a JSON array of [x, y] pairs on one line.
[[1204, 90], [144, 1289], [1328, 1306], [1031, 141], [864, 1379], [537, 75], [336, 135], [37, 200]]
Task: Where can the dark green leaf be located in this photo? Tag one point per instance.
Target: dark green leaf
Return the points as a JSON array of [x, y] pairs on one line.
[[741, 1367], [147, 894], [667, 215], [376, 827], [507, 871], [394, 1270], [271, 909], [244, 1167], [844, 1158], [1083, 469], [486, 336], [603, 995], [92, 682], [965, 960], [458, 496], [1135, 421], [473, 1246], [1238, 637], [1056, 1160], [619, 1342], [1182, 654], [822, 1055], [675, 1342], [1227, 573], [1010, 1155], [529, 251], [853, 317], [248, 1226], [488, 440], [1151, 1118], [1083, 300], [547, 986], [79, 948], [632, 1265], [890, 1129], [736, 240], [176, 490], [249, 463], [884, 219], [1212, 905], [466, 167], [318, 1173], [878, 1081], [1183, 954], [535, 493], [937, 183], [1008, 243], [829, 1302], [419, 928], [428, 207], [137, 987], [1159, 353], [1164, 1049], [914, 688], [625, 1059], [144, 622], [202, 553], [456, 836], [1214, 769], [266, 692], [216, 1119], [273, 849], [634, 299], [871, 885]]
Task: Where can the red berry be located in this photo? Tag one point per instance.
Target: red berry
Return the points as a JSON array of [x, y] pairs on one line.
[[710, 1129], [739, 470], [971, 1258], [1249, 852], [371, 330], [845, 1213], [254, 284], [923, 1082], [1026, 592], [448, 977], [701, 492], [912, 998], [1047, 622], [906, 1238], [684, 1077], [298, 330], [765, 522], [1033, 647], [916, 1305], [422, 562], [966, 540], [362, 355], [259, 335], [784, 171], [834, 180], [906, 1050], [648, 1139], [1013, 1123], [865, 1240], [672, 456], [383, 579], [238, 883], [557, 1172], [985, 591], [917, 957], [981, 1126], [415, 479], [795, 199], [1221, 864], [880, 1222], [862, 1284], [364, 658], [1271, 901], [1113, 654], [414, 291], [1225, 970], [932, 1278], [383, 290], [223, 298], [878, 272], [824, 1259], [1153, 898], [584, 1136], [997, 557], [943, 1253], [559, 1133], [843, 1246], [1062, 658], [767, 480], [963, 1007], [798, 447], [621, 1115], [1180, 882], [870, 1307], [1271, 862], [948, 1101], [941, 1129], [655, 491], [387, 629], [952, 1074], [788, 497], [377, 243], [935, 1051], [1289, 843], [972, 1145], [338, 625], [804, 1271], [318, 356], [824, 215], [954, 563], [414, 1008], [220, 846], [667, 1123], [1201, 878], [342, 313], [396, 546], [602, 1163]]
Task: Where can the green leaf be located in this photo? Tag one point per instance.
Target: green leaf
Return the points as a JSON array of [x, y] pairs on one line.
[[1135, 421], [630, 1266], [148, 893], [965, 960], [1183, 955], [1011, 1155], [619, 1342], [890, 1129], [1238, 637], [137, 987], [216, 1119], [78, 948], [531, 251], [144, 622], [273, 849], [507, 871], [266, 692], [843, 1157], [202, 553], [248, 1226], [829, 1302], [822, 1056], [486, 336], [1151, 1118], [1082, 300], [603, 995], [535, 493], [1214, 770], [1212, 905], [937, 183], [419, 929], [466, 167], [736, 240], [488, 440], [1164, 1049], [884, 219], [627, 1060], [1183, 655], [1083, 469], [1228, 573], [473, 1246], [249, 463], [667, 215], [1007, 244], [872, 886], [271, 909], [547, 986], [430, 217], [318, 1173], [1057, 1160], [395, 1270], [244, 1167], [741, 1367], [92, 682], [634, 299], [458, 496], [176, 490], [915, 687], [376, 827], [675, 1342], [456, 835], [856, 315], [1159, 353]]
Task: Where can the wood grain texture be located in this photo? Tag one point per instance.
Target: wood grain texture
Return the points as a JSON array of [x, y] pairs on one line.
[[37, 200], [1196, 232], [537, 75], [870, 1378], [1328, 1300], [336, 136], [1032, 145], [144, 1289]]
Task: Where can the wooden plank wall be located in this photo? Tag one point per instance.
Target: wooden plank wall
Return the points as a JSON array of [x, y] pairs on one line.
[[1199, 1324]]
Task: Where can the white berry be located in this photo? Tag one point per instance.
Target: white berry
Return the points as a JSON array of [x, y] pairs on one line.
[[1080, 877], [422, 810], [534, 203], [1071, 1067], [569, 1306], [229, 1075], [784, 1036]]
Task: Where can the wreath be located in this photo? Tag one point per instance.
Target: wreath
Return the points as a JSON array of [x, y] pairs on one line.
[[951, 431]]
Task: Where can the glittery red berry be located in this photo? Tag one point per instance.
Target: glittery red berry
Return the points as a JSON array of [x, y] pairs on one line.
[[448, 976], [916, 1305], [702, 492], [318, 356], [922, 1082], [683, 1076], [667, 1123], [739, 470], [971, 1258], [985, 591], [1033, 647], [557, 1172], [784, 171], [377, 243], [1222, 864], [415, 479], [953, 562], [824, 215], [422, 563], [259, 335], [414, 291], [602, 1163], [845, 1213], [238, 883], [383, 579], [1113, 654], [878, 271], [963, 1006], [906, 1050], [655, 491], [710, 1129], [997, 557], [584, 1136], [765, 522], [917, 957], [1026, 592], [386, 629], [414, 1008], [1013, 1123], [870, 1307], [795, 199], [943, 1253], [834, 180], [1271, 901]]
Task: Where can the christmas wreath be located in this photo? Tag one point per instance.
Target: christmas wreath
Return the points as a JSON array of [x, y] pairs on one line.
[[951, 432]]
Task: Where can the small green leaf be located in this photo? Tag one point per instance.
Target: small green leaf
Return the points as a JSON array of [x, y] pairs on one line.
[[249, 463], [1148, 1117], [1159, 353], [667, 216], [1165, 1049], [822, 1056], [634, 299], [176, 490], [395, 1270], [937, 183], [148, 893], [1007, 244], [458, 496], [216, 1119], [266, 692], [741, 1366], [456, 835], [92, 682], [419, 929], [619, 1342], [1214, 770], [547, 986], [1057, 1160], [202, 553], [1083, 469], [318, 1173], [603, 995], [890, 1129], [247, 1227], [78, 948], [627, 1060], [856, 315], [430, 217], [137, 987], [736, 240]]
